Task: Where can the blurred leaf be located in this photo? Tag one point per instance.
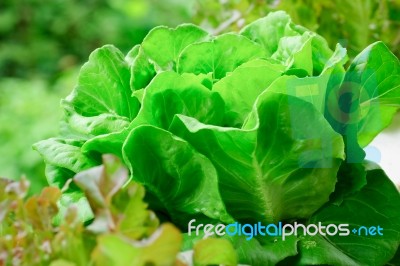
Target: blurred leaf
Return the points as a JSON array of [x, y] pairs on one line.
[[41, 209], [62, 263], [29, 237], [214, 251], [159, 250], [116, 209]]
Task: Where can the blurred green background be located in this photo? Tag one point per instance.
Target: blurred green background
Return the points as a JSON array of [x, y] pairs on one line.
[[44, 42]]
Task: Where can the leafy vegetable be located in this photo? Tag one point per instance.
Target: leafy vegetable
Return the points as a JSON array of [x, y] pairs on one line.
[[123, 232], [367, 207], [271, 182], [190, 177], [262, 126]]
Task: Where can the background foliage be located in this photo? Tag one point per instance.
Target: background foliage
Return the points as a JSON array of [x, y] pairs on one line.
[[353, 23], [43, 43]]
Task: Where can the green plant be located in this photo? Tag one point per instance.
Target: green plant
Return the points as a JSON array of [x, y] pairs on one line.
[[29, 236], [261, 126], [44, 38]]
